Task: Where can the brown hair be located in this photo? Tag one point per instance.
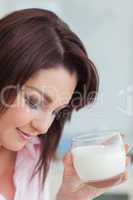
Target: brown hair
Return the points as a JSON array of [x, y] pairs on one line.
[[33, 39]]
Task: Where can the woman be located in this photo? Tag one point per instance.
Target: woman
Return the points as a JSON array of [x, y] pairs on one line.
[[45, 74]]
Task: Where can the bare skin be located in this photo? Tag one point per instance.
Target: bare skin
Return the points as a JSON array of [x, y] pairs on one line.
[[72, 187], [59, 85], [7, 188]]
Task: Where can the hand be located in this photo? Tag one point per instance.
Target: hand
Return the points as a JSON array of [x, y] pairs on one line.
[[73, 188]]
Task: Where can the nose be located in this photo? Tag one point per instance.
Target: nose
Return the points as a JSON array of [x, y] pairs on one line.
[[42, 124]]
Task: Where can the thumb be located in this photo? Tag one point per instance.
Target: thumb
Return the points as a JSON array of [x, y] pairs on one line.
[[70, 176], [69, 170]]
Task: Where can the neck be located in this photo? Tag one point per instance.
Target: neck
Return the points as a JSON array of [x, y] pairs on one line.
[[7, 161]]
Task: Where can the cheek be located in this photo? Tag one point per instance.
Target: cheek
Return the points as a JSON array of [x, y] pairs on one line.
[[18, 116], [22, 116]]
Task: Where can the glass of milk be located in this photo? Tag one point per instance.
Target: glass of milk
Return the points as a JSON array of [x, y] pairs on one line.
[[99, 157]]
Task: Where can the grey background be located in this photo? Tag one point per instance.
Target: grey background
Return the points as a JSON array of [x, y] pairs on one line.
[[106, 28]]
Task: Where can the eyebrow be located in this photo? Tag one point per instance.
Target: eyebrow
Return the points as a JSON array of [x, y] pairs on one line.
[[46, 96]]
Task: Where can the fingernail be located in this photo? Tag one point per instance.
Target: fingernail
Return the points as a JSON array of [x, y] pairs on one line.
[[124, 177], [68, 156]]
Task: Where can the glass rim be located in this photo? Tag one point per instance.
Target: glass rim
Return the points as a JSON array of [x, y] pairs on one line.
[[92, 135]]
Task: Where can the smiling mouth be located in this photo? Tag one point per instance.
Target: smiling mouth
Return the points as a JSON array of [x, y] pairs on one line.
[[24, 135]]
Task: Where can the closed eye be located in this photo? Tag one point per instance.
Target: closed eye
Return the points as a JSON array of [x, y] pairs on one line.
[[32, 102], [35, 103]]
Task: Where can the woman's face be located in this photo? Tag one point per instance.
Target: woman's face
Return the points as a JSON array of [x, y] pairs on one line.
[[34, 109]]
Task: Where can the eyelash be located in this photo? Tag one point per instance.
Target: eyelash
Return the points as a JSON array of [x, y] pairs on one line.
[[29, 101]]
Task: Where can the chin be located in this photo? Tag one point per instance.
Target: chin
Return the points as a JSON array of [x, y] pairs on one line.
[[14, 147]]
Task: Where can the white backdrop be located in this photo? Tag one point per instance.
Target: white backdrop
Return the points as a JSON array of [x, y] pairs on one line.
[[106, 29], [105, 26]]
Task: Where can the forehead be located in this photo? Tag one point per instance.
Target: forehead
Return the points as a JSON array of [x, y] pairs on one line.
[[57, 83]]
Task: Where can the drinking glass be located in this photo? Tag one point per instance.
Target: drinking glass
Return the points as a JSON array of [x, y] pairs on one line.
[[99, 156]]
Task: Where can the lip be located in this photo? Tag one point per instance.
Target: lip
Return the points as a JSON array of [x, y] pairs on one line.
[[23, 135]]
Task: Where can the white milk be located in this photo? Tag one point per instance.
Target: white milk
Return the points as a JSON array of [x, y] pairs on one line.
[[99, 162]]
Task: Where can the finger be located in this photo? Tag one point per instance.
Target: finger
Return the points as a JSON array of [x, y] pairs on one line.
[[95, 190], [128, 161], [126, 145], [91, 191], [126, 148], [111, 182], [67, 158], [68, 164], [123, 178], [69, 170]]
